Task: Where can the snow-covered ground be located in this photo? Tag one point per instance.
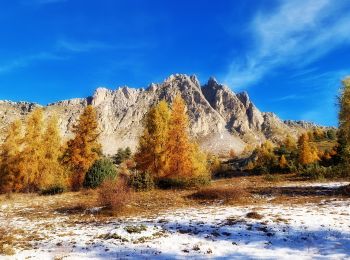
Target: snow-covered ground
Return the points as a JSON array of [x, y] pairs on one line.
[[300, 231], [318, 184]]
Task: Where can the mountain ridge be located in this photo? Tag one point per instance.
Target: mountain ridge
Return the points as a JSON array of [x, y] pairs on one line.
[[220, 119]]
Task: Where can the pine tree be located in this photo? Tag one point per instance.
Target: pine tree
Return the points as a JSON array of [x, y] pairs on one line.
[[344, 123], [10, 178], [52, 172], [33, 151], [150, 156], [84, 149]]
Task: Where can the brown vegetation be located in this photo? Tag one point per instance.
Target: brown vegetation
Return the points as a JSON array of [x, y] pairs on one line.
[[227, 194], [114, 194]]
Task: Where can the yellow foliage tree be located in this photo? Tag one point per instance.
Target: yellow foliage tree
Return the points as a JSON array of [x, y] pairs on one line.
[[150, 155], [290, 143], [183, 159], [199, 162], [344, 122], [84, 149], [283, 162], [10, 178], [52, 172], [33, 151], [307, 153], [265, 154]]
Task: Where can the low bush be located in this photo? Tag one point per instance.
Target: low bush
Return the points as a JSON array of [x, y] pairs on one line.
[[53, 190], [100, 170], [272, 178], [114, 194], [135, 229], [182, 183], [226, 194], [141, 181], [317, 172], [314, 172], [254, 215], [171, 183]]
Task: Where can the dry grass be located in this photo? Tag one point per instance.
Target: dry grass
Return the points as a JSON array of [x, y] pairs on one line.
[[227, 194], [235, 191], [6, 242]]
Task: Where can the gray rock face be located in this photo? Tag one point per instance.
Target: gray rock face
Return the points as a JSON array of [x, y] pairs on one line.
[[219, 119]]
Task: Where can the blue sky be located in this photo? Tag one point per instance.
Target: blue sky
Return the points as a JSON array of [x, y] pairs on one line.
[[289, 55]]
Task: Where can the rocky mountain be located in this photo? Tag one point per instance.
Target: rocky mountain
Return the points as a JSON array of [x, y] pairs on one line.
[[220, 119]]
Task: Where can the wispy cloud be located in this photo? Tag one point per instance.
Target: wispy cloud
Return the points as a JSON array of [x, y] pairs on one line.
[[289, 97], [323, 89], [28, 60], [81, 46], [298, 33], [64, 49], [92, 45]]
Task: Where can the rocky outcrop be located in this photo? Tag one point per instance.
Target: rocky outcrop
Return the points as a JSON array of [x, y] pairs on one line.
[[219, 119]]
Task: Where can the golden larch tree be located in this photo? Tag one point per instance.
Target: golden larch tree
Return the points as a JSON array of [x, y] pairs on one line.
[[84, 149], [52, 172], [199, 159], [290, 143], [183, 158], [150, 155], [307, 153], [265, 154], [10, 178], [33, 150], [344, 122], [283, 162]]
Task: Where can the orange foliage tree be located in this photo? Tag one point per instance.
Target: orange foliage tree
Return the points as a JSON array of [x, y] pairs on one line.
[[344, 123], [10, 178], [52, 172], [33, 151], [150, 156], [183, 158], [307, 153], [283, 162], [84, 149]]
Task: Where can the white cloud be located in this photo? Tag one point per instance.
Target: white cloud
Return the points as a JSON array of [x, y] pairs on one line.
[[298, 33], [25, 61]]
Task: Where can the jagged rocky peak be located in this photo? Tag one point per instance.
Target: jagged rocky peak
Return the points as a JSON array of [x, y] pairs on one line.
[[24, 106], [220, 120], [182, 80], [301, 123], [244, 98], [100, 95], [72, 102]]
